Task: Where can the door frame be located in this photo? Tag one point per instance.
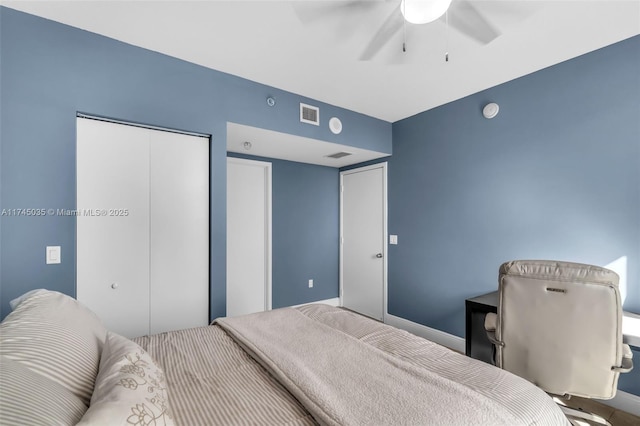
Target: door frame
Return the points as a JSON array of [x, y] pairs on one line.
[[267, 167], [385, 245]]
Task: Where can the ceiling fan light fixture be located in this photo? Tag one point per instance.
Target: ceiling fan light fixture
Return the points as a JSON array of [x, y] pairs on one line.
[[423, 11]]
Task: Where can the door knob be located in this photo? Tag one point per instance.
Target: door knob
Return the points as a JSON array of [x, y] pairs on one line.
[[114, 286], [379, 255]]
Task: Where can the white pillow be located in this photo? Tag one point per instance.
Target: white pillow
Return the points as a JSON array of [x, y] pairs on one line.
[[18, 300], [130, 387], [55, 336], [28, 398]]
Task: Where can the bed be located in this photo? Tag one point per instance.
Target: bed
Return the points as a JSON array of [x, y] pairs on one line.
[[308, 365]]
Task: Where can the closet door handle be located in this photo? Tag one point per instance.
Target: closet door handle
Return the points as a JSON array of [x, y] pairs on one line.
[[379, 255]]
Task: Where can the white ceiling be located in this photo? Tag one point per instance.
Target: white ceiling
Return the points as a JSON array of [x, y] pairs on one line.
[[268, 42], [314, 48]]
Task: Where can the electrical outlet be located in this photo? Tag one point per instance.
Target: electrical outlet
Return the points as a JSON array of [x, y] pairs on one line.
[[310, 283]]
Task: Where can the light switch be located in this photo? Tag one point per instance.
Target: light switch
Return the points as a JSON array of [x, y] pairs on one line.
[[393, 239], [310, 283], [53, 255]]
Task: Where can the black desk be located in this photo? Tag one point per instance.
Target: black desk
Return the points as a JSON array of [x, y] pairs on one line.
[[477, 344]]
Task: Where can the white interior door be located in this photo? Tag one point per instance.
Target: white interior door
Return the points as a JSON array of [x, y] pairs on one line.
[[248, 236], [112, 251], [363, 237]]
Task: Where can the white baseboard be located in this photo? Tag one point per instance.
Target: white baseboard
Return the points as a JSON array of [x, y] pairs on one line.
[[332, 302], [624, 401], [440, 337]]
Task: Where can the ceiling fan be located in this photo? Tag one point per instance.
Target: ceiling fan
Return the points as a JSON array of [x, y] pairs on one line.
[[463, 16]]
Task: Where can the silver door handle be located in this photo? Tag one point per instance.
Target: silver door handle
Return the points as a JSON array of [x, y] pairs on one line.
[[379, 255]]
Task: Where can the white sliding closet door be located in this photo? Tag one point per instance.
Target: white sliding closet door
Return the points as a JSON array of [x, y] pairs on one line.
[[112, 254], [142, 227], [180, 231]]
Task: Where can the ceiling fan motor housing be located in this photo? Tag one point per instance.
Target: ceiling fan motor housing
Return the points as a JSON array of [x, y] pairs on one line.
[[423, 11]]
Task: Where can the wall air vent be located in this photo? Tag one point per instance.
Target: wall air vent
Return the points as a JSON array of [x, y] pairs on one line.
[[339, 155], [309, 114]]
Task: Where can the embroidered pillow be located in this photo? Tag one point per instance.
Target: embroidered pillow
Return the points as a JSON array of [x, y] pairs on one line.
[[130, 387], [55, 336]]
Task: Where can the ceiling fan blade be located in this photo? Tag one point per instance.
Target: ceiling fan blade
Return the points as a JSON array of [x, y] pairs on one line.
[[389, 28], [313, 11], [465, 17]]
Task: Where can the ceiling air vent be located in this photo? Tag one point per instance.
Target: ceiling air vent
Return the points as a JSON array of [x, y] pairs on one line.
[[309, 114], [339, 155]]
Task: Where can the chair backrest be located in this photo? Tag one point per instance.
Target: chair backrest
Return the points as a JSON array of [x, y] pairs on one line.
[[560, 324]]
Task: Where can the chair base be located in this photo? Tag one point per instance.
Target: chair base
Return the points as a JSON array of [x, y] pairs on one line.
[[573, 413]]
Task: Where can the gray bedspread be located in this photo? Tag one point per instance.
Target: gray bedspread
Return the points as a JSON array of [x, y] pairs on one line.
[[350, 370], [316, 363]]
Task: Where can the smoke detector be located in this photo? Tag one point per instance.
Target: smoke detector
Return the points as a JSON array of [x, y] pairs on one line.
[[335, 125], [490, 110]]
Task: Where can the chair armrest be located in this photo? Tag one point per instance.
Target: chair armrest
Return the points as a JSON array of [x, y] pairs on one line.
[[490, 324], [627, 360], [490, 321]]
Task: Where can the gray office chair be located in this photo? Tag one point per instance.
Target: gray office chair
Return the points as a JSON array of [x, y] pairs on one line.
[[559, 325]]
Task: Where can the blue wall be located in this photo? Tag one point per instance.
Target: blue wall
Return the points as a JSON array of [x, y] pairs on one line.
[[556, 175], [306, 231], [50, 71]]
